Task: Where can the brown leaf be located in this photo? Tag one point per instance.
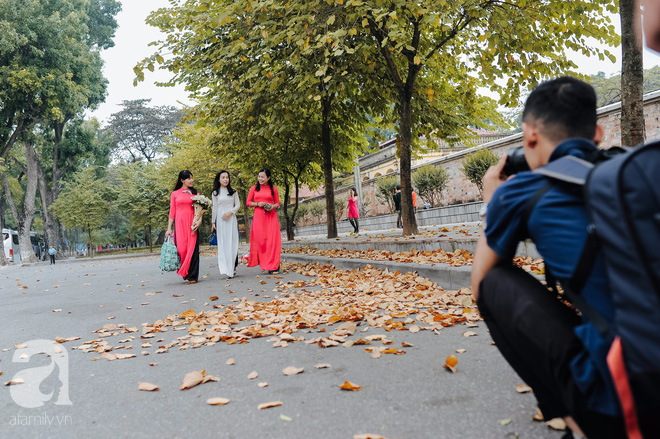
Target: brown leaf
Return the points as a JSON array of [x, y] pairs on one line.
[[460, 351], [263, 384], [253, 375], [147, 387], [350, 386], [15, 382], [414, 329], [291, 370], [469, 334], [556, 424], [368, 436], [212, 298], [192, 379], [538, 416], [323, 366], [230, 362], [188, 314], [523, 388], [217, 401], [267, 405]]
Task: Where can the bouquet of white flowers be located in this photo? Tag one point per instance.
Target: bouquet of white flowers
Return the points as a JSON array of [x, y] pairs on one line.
[[201, 204]]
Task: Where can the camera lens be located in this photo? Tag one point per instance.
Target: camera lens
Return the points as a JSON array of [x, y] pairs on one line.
[[515, 161]]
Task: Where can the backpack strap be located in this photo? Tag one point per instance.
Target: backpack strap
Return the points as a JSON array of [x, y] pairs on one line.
[[572, 170]]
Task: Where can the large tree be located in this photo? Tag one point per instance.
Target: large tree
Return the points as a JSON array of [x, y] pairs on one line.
[[270, 56], [84, 202], [139, 132], [633, 128], [50, 71]]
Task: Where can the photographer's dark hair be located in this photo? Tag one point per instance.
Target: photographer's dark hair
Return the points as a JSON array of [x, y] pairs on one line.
[[270, 183], [565, 106], [353, 192], [184, 175], [216, 184]]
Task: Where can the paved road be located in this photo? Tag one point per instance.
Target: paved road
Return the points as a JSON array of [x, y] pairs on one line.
[[402, 396]]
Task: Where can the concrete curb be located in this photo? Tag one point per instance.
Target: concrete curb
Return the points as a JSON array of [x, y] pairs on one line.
[[448, 277]]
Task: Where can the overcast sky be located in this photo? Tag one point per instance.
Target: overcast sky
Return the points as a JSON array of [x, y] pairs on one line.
[[131, 45]]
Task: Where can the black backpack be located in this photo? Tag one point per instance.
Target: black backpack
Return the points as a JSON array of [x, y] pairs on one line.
[[622, 197]]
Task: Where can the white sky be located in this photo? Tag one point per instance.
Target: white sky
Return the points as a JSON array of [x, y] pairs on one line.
[[134, 35]]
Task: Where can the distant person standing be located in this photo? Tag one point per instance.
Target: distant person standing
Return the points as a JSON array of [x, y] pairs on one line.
[[225, 205], [51, 254], [414, 197], [265, 235], [397, 206], [353, 213]]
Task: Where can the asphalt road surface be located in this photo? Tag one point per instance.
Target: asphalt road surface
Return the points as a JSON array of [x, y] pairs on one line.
[[401, 396]]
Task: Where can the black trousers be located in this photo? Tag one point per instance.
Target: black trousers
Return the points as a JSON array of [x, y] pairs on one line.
[[193, 270], [52, 259], [534, 332], [354, 223]]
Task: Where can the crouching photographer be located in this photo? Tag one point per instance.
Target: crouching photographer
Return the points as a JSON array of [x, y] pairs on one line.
[[557, 352]]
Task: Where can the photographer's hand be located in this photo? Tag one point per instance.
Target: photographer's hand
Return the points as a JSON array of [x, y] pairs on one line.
[[493, 179]]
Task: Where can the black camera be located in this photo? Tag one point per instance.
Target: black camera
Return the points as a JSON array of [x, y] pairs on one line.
[[515, 162]]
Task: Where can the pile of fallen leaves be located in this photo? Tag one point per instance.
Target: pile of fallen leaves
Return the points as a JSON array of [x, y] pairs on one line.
[[363, 299], [456, 258]]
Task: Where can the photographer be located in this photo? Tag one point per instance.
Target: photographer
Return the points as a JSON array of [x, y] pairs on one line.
[[558, 353]]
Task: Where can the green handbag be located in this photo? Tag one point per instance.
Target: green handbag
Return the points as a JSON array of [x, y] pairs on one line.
[[169, 257]]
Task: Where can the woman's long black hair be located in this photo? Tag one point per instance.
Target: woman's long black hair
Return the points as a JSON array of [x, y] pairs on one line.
[[270, 183], [184, 175], [216, 183]]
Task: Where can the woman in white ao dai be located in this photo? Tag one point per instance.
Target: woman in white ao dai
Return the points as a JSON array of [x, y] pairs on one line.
[[225, 205]]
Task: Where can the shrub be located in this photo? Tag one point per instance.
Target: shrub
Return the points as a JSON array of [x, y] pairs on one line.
[[430, 181], [385, 190], [317, 209], [340, 206], [476, 164]]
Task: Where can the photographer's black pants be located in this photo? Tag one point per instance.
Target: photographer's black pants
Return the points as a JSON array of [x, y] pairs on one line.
[[534, 332]]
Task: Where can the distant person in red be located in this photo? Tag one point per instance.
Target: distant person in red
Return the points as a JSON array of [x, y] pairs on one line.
[[414, 196], [353, 213], [265, 235], [182, 214]]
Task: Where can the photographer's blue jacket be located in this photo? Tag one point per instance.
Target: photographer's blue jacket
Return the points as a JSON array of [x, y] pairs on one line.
[[558, 227]]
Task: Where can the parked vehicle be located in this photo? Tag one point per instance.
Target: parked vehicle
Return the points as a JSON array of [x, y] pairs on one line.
[[12, 249]]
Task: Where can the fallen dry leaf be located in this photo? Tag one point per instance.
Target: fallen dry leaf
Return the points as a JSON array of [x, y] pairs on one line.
[[368, 436], [267, 405], [538, 416], [147, 387], [253, 375], [460, 351], [322, 366], [469, 334], [217, 401], [192, 379], [556, 424], [263, 384], [350, 386], [450, 363], [15, 382], [230, 362], [291, 370], [523, 388]]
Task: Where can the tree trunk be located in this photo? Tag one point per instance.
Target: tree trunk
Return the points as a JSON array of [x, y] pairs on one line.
[[326, 146], [288, 218], [24, 219], [246, 214], [149, 240], [633, 130], [405, 151], [50, 226], [90, 251], [3, 259]]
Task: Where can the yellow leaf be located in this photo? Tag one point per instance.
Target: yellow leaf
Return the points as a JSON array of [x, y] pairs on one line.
[[417, 60]]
